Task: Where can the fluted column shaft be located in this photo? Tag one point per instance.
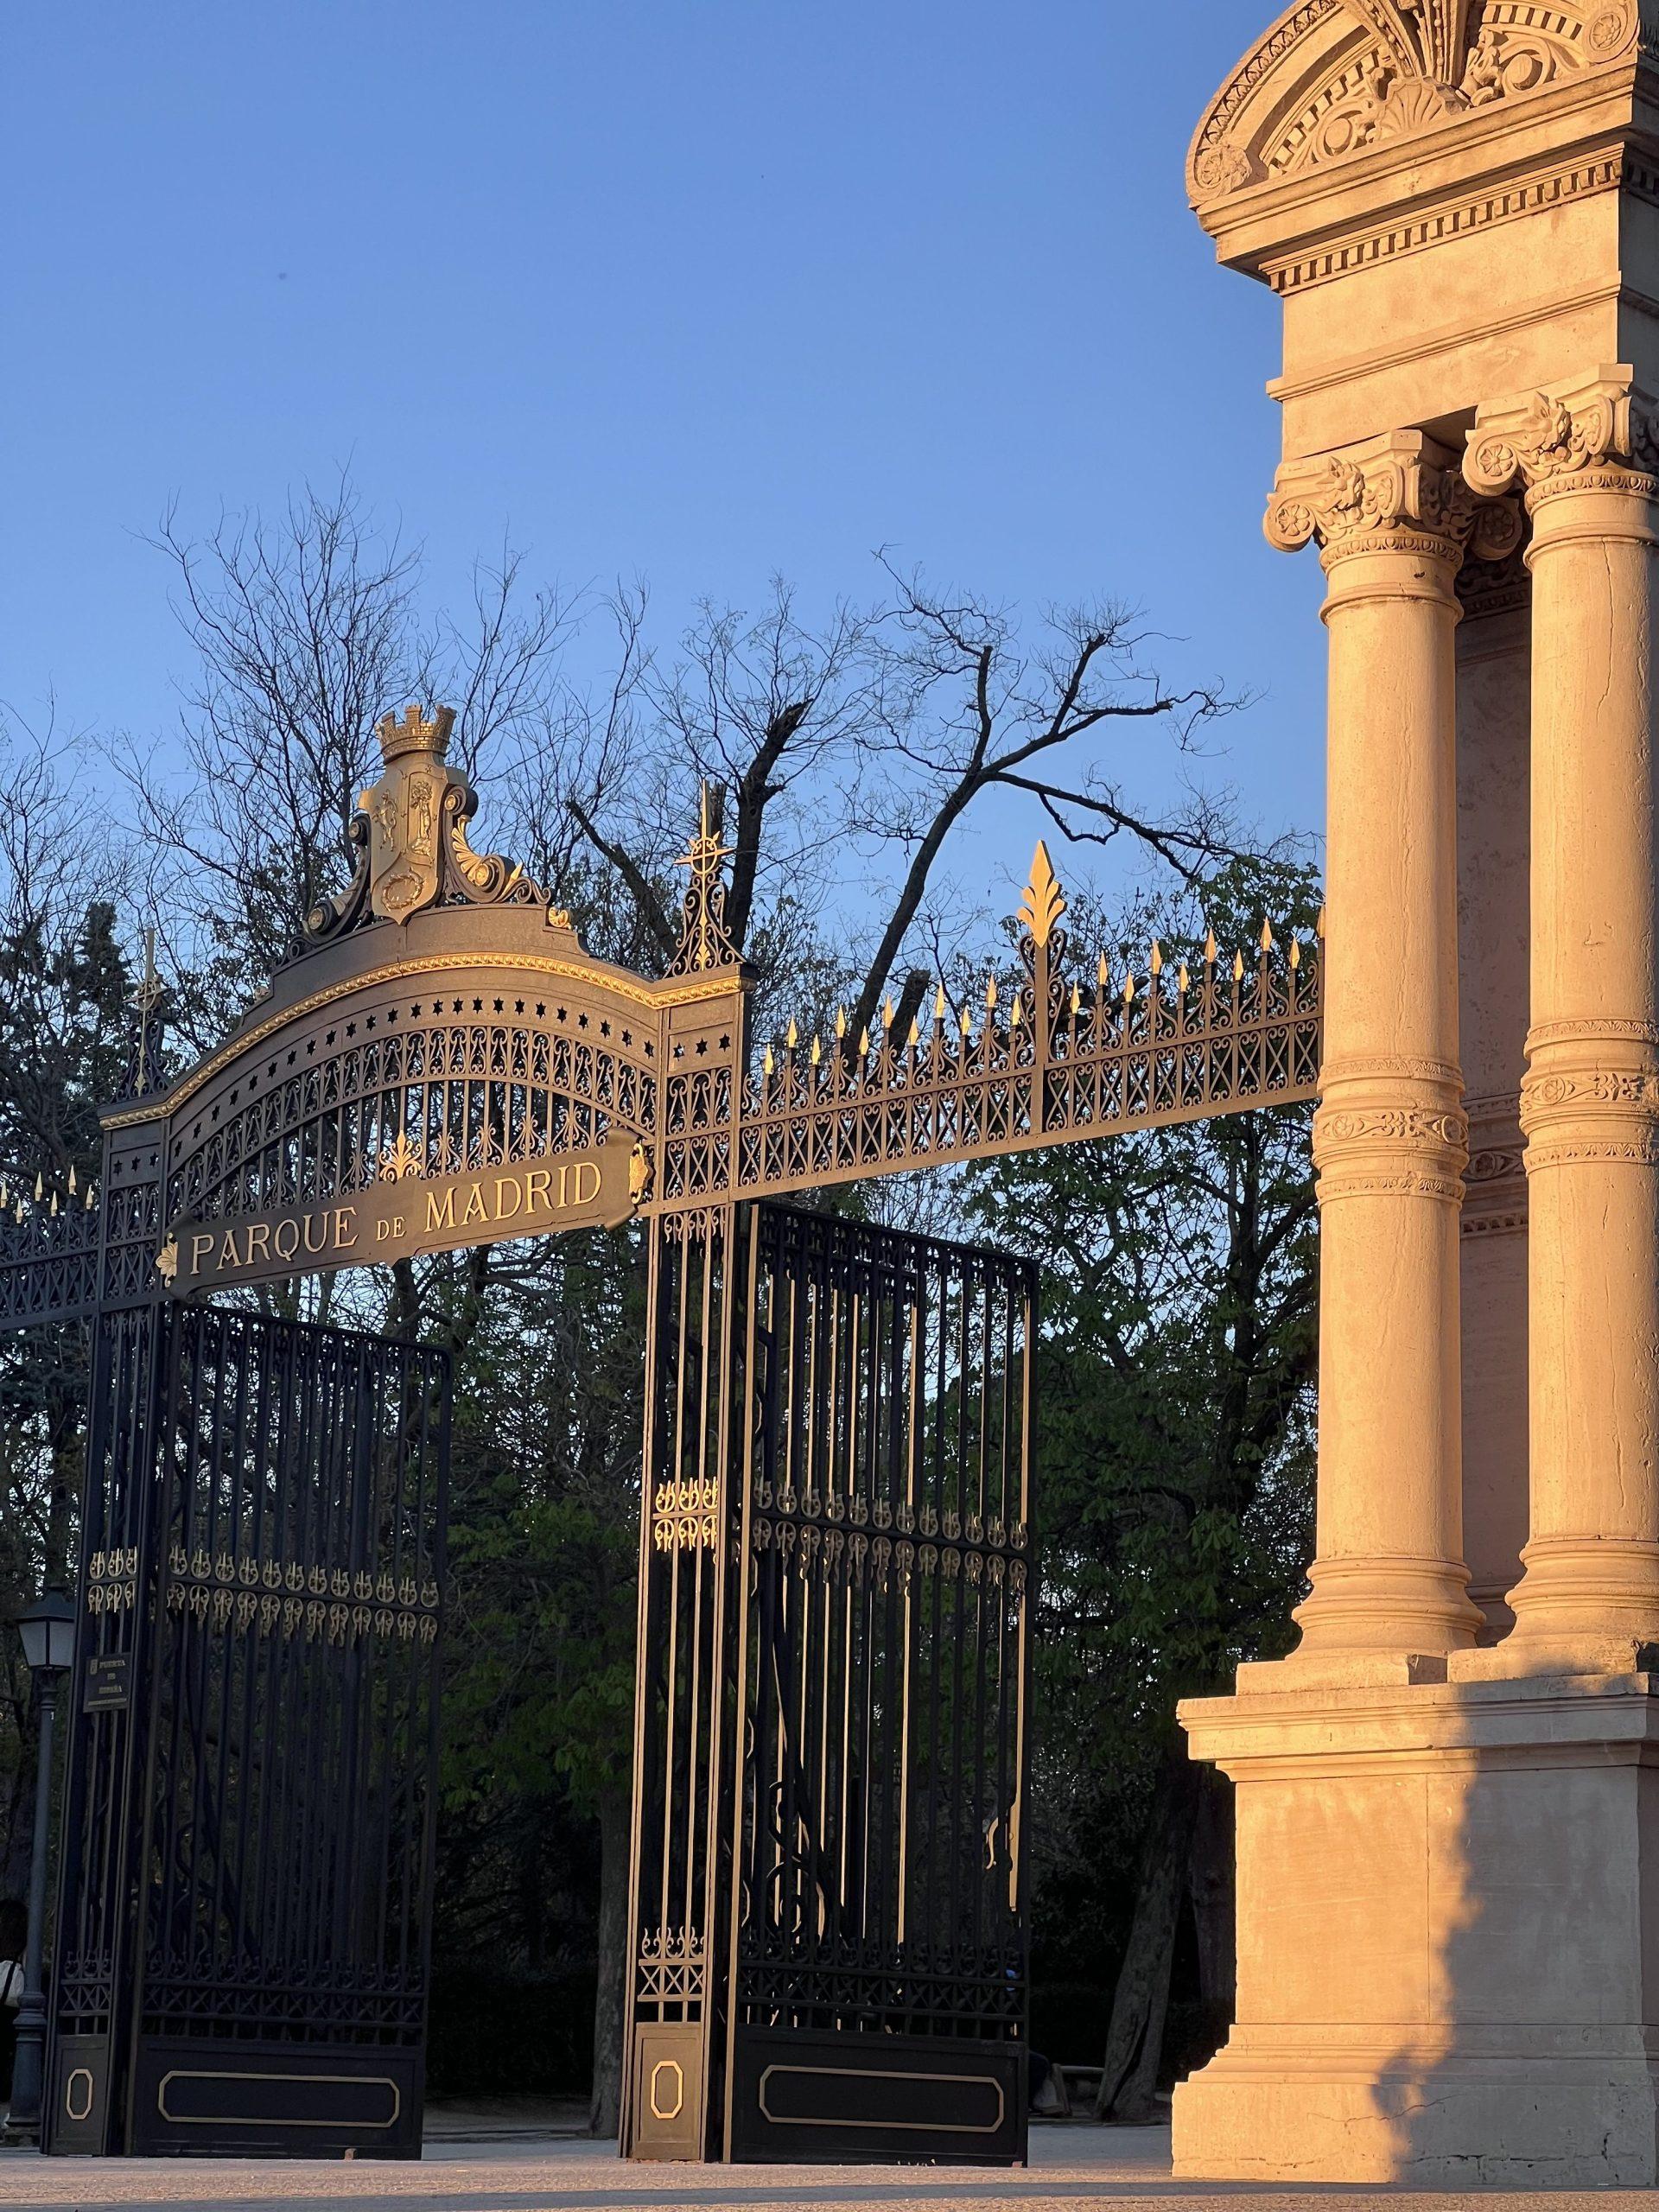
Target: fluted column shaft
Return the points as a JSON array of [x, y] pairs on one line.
[[1589, 1103], [1391, 519]]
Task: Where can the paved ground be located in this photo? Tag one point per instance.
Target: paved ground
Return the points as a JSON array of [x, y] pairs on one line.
[[495, 2160]]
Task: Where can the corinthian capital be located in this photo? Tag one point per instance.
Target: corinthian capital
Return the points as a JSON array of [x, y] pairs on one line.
[[1583, 426], [1400, 487]]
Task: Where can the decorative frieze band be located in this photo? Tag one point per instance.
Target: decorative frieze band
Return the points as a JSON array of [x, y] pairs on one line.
[[1495, 1182], [1592, 1096], [268, 1594], [864, 1538], [1377, 1151]]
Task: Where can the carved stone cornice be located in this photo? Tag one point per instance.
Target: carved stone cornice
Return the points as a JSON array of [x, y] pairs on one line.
[[1400, 492], [1333, 79], [1596, 432]]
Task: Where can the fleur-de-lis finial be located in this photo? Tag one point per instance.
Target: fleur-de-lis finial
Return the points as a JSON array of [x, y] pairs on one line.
[[1044, 901]]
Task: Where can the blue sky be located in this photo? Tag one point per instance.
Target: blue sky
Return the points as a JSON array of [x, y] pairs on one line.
[[698, 289]]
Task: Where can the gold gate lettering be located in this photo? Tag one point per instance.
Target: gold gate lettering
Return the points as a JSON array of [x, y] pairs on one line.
[[397, 1219]]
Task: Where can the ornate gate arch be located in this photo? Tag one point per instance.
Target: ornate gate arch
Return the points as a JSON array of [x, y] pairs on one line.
[[836, 1499]]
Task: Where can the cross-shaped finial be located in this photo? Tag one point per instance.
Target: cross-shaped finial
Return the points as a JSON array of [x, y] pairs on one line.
[[703, 942]]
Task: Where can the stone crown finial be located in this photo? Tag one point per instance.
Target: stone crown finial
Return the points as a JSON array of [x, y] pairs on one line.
[[416, 734]]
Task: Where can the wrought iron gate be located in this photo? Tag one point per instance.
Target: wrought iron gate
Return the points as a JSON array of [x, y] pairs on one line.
[[829, 1899], [248, 1825]]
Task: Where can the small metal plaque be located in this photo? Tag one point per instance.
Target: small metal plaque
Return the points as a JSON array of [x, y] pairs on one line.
[[109, 1682]]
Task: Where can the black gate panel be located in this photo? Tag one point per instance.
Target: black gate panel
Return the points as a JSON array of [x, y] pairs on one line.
[[251, 1783], [830, 1912]]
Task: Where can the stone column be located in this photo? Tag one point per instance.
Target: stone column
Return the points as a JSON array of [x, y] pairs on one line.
[[1589, 1103], [1391, 518], [1494, 950]]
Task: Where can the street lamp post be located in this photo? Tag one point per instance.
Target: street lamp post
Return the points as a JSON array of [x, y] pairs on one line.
[[48, 1633]]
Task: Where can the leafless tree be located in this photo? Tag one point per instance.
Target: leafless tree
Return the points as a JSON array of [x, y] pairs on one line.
[[303, 631]]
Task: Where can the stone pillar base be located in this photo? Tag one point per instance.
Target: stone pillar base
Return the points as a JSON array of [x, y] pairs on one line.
[[1274, 2107], [1448, 1933]]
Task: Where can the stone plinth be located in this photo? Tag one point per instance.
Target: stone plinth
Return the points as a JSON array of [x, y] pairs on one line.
[[1448, 1931]]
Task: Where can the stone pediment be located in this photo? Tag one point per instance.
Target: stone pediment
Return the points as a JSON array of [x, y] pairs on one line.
[[1336, 78]]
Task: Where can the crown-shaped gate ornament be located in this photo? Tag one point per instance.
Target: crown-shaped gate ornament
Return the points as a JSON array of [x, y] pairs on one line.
[[411, 835]]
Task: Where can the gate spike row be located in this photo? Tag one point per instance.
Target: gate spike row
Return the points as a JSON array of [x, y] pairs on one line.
[[886, 1012], [1267, 937], [1076, 1000], [1102, 974], [967, 1022], [1295, 954], [89, 1197], [1182, 980], [1210, 948], [74, 1187], [39, 1188], [818, 1049], [841, 1023], [990, 994], [915, 1036], [1128, 988], [1016, 1013], [1156, 960], [791, 1035], [55, 1205], [5, 1195], [938, 1004], [768, 1064], [863, 1044], [1238, 967]]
